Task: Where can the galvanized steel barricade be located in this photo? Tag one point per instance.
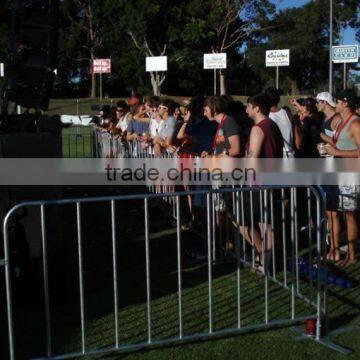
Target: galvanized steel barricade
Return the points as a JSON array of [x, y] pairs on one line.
[[79, 142], [283, 266]]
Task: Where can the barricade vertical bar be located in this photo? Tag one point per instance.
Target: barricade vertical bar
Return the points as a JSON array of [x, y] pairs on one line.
[[147, 254], [115, 277], [272, 234], [283, 221], [237, 247], [262, 236], [213, 225], [266, 254], [296, 240], [81, 278], [292, 257], [178, 232], [46, 281], [243, 224], [320, 269], [208, 220], [252, 229], [310, 242], [9, 289]]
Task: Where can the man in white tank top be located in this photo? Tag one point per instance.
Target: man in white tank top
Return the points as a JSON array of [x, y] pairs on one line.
[[281, 118]]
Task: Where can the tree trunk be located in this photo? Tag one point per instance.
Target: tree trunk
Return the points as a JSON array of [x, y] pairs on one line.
[[294, 87], [155, 84], [93, 86], [222, 83]]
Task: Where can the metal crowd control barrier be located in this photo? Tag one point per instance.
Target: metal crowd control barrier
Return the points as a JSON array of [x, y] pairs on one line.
[[283, 248], [113, 146], [78, 142]]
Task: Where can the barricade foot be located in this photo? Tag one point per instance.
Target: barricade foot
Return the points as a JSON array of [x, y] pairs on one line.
[[323, 341]]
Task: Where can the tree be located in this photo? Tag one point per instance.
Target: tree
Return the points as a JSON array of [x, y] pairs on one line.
[[82, 21], [230, 22], [305, 31]]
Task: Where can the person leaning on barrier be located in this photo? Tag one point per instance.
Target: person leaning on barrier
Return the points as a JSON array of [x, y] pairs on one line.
[[123, 117], [227, 138], [265, 141], [164, 139], [326, 104], [309, 120], [346, 145], [282, 120]]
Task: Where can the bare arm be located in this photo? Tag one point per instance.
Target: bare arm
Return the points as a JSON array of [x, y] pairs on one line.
[[181, 134], [327, 139], [256, 142], [235, 147]]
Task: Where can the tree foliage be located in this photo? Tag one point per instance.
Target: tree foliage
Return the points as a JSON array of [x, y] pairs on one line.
[[184, 30]]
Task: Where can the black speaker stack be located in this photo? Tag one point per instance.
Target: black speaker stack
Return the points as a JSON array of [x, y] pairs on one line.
[[34, 53]]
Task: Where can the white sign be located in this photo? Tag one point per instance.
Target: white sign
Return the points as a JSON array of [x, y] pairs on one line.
[[2, 73], [215, 61], [102, 66], [156, 63], [345, 54], [277, 57]]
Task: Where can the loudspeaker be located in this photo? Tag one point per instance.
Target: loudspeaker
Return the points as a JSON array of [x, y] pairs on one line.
[[34, 52]]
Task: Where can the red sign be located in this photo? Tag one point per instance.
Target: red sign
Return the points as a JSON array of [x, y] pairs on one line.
[[102, 66]]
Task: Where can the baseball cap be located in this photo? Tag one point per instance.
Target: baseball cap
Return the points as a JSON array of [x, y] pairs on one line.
[[325, 96], [348, 96]]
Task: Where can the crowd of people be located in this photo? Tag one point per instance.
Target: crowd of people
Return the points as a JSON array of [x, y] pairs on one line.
[[219, 126]]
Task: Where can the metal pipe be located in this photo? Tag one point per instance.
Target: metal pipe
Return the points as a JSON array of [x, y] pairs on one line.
[[237, 247], [115, 277], [147, 256], [46, 281], [209, 262], [178, 233], [81, 277], [7, 264], [292, 256], [266, 248], [330, 48], [283, 221], [296, 241], [272, 234]]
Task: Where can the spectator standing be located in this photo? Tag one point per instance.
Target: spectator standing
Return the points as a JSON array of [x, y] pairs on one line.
[[282, 120], [346, 145]]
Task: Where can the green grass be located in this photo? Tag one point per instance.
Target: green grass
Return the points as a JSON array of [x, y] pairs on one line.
[[344, 304], [77, 142]]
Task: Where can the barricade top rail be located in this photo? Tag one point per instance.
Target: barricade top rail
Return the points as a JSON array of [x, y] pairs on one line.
[[318, 192]]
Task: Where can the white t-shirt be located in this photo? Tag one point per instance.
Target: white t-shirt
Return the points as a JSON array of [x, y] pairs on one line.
[[168, 128], [123, 123], [155, 127], [283, 122]]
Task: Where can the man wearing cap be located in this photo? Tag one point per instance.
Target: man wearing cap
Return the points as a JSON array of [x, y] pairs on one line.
[[326, 104], [346, 144]]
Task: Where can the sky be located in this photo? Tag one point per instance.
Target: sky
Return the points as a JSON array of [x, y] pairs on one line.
[[349, 34]]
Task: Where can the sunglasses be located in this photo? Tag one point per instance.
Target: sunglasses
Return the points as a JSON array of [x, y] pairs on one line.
[[163, 107]]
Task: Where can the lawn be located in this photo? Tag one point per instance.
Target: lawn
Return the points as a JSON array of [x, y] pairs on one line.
[[344, 304]]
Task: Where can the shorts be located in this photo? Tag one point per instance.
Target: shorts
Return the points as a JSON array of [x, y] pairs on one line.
[[332, 196], [349, 197]]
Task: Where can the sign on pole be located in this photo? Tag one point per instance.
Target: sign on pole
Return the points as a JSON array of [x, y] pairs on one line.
[[276, 58], [156, 63], [101, 66], [345, 54], [215, 61], [2, 72]]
